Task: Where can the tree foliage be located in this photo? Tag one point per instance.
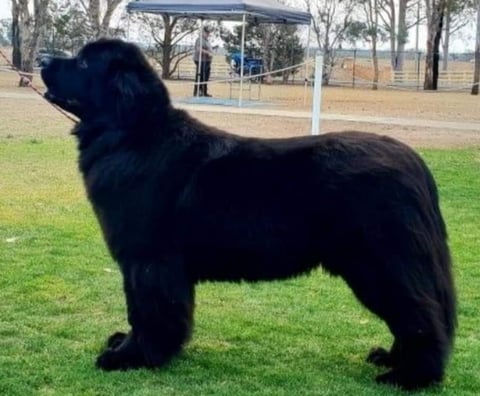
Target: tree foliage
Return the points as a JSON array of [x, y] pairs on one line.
[[167, 34], [72, 23], [373, 32], [332, 20], [67, 27], [397, 18], [458, 14], [60, 24], [278, 46], [99, 15]]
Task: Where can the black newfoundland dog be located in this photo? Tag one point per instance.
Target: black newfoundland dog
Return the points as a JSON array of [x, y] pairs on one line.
[[180, 202]]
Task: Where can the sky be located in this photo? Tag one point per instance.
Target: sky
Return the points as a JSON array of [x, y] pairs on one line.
[[5, 9], [463, 43]]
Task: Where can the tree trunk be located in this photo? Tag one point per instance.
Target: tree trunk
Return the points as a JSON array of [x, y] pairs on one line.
[[327, 66], [99, 26], [107, 17], [436, 14], [436, 53], [323, 41], [476, 75], [30, 27], [373, 10], [376, 71], [392, 33], [267, 55], [167, 46], [26, 27], [446, 39], [327, 61], [16, 37], [93, 13], [402, 35]]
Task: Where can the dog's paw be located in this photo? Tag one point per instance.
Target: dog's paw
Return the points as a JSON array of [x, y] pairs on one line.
[[406, 380], [116, 339], [111, 359], [380, 357]]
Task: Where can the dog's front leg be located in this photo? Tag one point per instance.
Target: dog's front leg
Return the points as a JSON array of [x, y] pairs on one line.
[[160, 302]]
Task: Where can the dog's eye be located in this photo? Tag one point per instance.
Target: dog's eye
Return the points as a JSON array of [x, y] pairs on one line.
[[82, 63]]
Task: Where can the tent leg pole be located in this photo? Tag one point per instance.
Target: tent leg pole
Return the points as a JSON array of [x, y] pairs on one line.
[[307, 66], [317, 95], [198, 70], [242, 54]]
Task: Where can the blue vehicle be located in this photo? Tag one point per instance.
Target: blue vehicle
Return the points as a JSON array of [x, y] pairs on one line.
[[251, 66]]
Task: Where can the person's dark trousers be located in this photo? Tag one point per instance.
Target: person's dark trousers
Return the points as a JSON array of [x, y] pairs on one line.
[[202, 75]]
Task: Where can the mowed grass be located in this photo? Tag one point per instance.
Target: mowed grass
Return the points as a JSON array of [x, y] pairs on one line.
[[61, 296]]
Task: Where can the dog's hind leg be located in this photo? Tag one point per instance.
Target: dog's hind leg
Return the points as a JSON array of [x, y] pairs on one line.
[[424, 345], [160, 312], [414, 315]]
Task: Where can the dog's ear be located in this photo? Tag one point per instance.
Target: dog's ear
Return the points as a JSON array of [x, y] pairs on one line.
[[128, 94], [138, 97]]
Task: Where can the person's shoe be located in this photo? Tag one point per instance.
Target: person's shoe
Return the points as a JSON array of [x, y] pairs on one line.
[[207, 95]]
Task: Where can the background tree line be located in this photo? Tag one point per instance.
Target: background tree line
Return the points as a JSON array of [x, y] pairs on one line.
[[347, 22], [68, 24]]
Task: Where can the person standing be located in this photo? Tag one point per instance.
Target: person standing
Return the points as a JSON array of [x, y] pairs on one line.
[[203, 60]]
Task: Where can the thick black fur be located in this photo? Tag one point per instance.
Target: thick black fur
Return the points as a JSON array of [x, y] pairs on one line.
[[180, 202]]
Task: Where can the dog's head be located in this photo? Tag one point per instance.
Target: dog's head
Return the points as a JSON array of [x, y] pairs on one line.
[[108, 79]]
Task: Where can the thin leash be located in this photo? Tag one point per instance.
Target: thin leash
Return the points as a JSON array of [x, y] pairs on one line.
[[24, 78]]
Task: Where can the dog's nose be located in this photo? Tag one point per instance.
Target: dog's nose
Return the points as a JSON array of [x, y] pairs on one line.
[[45, 61]]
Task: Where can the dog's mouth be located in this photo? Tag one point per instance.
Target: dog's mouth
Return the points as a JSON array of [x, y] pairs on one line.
[[60, 101], [69, 104]]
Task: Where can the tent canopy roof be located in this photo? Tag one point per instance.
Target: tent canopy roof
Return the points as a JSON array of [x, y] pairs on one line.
[[259, 11]]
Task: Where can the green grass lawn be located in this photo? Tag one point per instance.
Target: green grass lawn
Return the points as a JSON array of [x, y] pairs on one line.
[[61, 296]]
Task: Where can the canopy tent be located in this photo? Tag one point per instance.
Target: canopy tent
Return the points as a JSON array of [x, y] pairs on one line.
[[260, 11], [257, 11]]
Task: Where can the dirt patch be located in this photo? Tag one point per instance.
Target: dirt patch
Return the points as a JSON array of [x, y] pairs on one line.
[[441, 106], [273, 127], [22, 113]]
